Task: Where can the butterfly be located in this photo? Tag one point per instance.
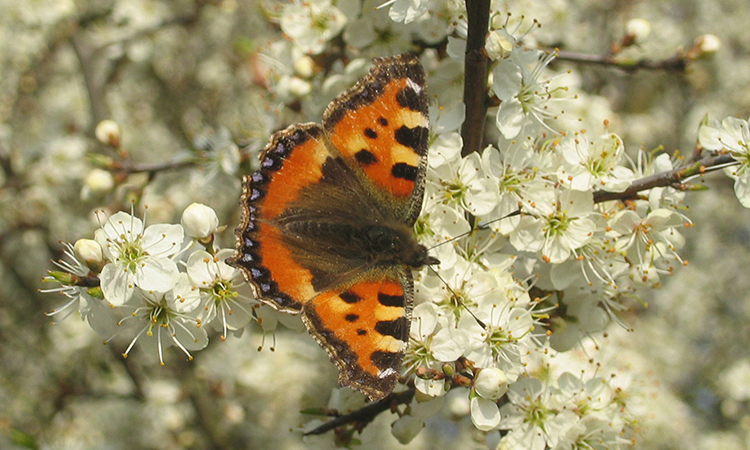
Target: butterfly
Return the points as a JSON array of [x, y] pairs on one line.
[[326, 229]]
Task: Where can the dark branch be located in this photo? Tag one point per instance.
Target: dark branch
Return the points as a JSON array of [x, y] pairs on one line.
[[475, 76], [367, 414], [677, 63]]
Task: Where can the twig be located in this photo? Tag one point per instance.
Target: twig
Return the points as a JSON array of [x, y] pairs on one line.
[[475, 76], [677, 63], [672, 178], [153, 168], [133, 373], [94, 84], [205, 405], [134, 35], [367, 414]]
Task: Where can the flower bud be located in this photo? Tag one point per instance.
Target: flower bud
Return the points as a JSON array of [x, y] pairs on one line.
[[108, 132], [406, 428], [61, 277], [491, 383], [299, 87], [90, 253], [97, 182], [96, 292], [707, 45], [304, 66], [199, 221], [457, 404], [637, 30]]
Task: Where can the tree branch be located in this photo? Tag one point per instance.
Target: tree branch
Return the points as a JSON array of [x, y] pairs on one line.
[[672, 178], [92, 79], [367, 414], [475, 76], [677, 63]]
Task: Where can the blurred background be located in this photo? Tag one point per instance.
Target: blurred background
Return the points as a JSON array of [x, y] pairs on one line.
[[183, 77]]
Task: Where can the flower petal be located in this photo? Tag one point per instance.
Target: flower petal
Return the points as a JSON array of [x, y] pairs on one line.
[[157, 274], [163, 239], [485, 415], [117, 283]]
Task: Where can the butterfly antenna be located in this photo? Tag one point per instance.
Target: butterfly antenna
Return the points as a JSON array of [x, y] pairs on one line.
[[458, 299], [483, 226]]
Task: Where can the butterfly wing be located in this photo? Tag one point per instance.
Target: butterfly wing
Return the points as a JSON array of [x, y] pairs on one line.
[[381, 126], [365, 330], [291, 162]]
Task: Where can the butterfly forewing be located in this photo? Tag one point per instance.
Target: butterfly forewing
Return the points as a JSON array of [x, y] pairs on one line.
[[381, 126]]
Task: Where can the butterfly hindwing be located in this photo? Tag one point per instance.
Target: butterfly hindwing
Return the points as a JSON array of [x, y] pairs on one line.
[[365, 329]]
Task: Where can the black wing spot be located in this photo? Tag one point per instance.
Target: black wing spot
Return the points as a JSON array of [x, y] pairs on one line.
[[351, 317], [409, 98], [385, 360], [365, 157], [398, 328], [370, 133], [350, 297], [361, 332], [404, 171], [383, 121], [414, 138], [391, 300]]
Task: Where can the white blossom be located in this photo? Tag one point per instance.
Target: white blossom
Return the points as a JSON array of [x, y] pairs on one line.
[[732, 134], [310, 24], [138, 257], [594, 165], [163, 319], [556, 227], [218, 283], [524, 94]]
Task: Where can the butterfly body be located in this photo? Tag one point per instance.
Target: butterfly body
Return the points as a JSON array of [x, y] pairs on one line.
[[327, 222]]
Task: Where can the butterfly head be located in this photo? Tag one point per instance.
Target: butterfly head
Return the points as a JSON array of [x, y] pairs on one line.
[[392, 245]]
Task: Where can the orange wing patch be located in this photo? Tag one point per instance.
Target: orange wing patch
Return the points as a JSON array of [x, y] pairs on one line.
[[381, 125], [365, 330]]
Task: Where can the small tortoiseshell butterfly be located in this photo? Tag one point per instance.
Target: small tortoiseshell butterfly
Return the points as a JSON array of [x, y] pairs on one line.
[[327, 222]]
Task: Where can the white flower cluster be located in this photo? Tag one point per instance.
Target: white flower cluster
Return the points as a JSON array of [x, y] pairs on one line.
[[154, 284], [538, 231], [532, 260]]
